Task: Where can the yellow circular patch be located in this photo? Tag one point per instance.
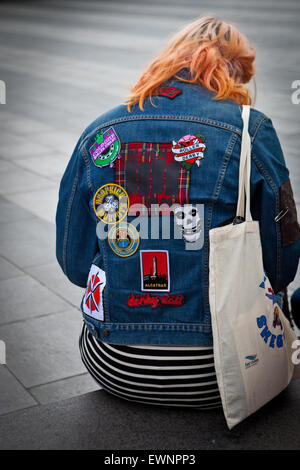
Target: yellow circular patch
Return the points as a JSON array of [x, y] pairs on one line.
[[111, 203], [124, 239]]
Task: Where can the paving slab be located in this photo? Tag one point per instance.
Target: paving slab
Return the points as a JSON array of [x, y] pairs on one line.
[[6, 166], [48, 165], [18, 180], [24, 126], [23, 297], [64, 389], [57, 139], [28, 241], [13, 396], [41, 203], [8, 270], [11, 212], [52, 276], [15, 145], [44, 349], [101, 421]]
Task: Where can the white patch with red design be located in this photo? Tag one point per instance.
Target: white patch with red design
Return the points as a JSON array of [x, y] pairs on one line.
[[93, 297], [189, 148]]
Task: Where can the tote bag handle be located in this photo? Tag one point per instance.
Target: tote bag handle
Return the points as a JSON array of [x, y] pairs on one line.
[[245, 169]]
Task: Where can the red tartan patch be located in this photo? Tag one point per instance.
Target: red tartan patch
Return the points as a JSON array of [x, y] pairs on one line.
[[149, 174], [167, 91]]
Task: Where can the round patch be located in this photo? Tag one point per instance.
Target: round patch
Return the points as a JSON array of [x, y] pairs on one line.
[[106, 148], [124, 239], [111, 203]]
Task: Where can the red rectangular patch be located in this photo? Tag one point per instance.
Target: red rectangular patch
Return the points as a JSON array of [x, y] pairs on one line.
[[155, 275], [150, 175]]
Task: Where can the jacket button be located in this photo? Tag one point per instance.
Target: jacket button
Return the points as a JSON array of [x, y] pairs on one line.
[[105, 333]]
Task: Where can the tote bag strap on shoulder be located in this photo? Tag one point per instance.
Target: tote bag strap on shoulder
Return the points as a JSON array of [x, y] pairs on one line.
[[245, 169]]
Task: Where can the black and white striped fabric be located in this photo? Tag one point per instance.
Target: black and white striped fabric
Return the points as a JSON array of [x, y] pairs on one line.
[[157, 375]]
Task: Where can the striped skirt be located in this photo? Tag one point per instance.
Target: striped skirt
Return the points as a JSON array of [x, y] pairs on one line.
[[157, 375]]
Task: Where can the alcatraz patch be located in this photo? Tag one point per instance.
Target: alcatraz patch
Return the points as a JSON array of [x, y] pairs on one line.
[[189, 149], [111, 203], [106, 148], [155, 275], [124, 239]]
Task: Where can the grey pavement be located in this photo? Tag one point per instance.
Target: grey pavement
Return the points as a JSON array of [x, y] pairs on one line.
[[101, 421], [64, 63]]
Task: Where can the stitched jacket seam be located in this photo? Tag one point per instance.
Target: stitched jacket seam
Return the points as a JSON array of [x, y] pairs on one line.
[[151, 325], [206, 121], [272, 184], [74, 187], [217, 190], [86, 161], [257, 127]]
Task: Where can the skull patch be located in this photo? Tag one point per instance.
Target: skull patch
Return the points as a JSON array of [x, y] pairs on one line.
[[188, 219]]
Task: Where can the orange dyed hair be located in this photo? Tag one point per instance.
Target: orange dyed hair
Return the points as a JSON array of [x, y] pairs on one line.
[[216, 55]]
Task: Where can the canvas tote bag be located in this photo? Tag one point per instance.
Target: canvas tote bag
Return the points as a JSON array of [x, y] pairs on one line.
[[252, 338]]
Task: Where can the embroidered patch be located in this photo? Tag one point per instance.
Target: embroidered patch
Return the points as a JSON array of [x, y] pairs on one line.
[[150, 175], [111, 203], [290, 229], [155, 271], [167, 91], [92, 303], [154, 300], [190, 221], [106, 148], [124, 239], [189, 149]]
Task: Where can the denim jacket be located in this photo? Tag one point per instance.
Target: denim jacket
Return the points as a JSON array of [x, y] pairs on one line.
[[183, 148]]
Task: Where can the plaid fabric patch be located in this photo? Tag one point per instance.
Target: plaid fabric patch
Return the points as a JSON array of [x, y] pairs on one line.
[[149, 174]]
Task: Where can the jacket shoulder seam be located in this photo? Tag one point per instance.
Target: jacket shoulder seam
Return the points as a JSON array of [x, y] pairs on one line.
[[163, 117], [86, 161], [256, 126]]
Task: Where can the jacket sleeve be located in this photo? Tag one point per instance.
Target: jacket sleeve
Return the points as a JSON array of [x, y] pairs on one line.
[[76, 241], [272, 203]]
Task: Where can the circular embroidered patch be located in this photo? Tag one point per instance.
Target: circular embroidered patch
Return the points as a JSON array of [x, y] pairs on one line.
[[106, 148], [111, 203], [124, 239]]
